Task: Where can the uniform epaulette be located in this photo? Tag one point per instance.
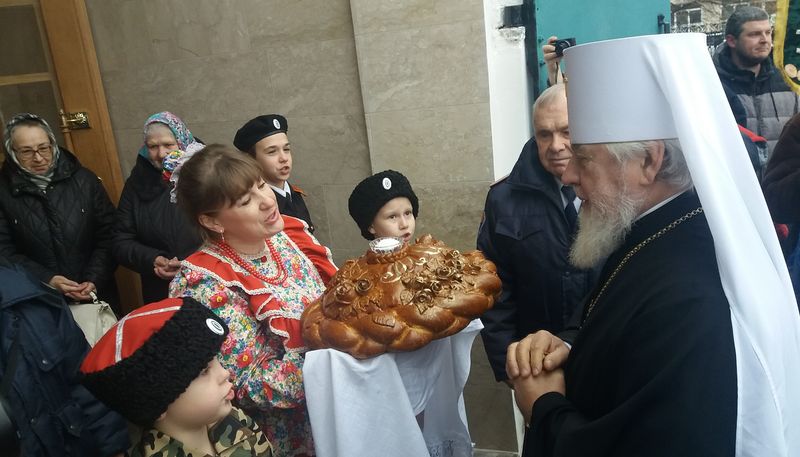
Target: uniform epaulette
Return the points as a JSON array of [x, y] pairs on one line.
[[499, 181], [297, 189]]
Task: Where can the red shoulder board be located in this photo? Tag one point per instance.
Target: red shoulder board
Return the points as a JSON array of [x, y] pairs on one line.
[[752, 135]]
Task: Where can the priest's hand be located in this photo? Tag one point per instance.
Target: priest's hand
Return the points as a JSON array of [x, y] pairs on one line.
[[536, 352], [528, 389]]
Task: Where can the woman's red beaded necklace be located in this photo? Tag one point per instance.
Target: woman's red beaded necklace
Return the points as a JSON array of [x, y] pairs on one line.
[[276, 280]]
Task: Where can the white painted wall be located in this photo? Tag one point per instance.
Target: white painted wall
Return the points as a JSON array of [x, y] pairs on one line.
[[509, 107]]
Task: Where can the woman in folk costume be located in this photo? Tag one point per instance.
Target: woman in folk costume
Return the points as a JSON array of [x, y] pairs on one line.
[[151, 235], [258, 270]]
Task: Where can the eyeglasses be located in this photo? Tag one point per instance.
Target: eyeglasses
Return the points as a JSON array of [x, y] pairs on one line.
[[44, 150]]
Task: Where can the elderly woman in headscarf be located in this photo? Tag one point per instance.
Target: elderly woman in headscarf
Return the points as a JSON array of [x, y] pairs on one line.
[[152, 235], [56, 219]]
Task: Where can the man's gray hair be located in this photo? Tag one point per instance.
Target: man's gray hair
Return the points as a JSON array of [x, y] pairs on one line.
[[741, 15], [549, 96], [673, 170]]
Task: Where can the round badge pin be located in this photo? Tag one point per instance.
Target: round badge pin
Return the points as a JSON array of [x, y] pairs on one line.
[[276, 123], [215, 326], [387, 183]]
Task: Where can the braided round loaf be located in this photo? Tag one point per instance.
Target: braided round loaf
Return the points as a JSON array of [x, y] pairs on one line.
[[402, 300]]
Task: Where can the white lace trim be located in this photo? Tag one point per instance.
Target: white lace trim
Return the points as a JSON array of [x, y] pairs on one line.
[[314, 240]]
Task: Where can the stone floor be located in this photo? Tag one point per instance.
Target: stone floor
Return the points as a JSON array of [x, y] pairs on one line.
[[492, 453]]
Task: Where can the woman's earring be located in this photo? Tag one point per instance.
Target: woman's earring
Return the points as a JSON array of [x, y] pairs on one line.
[[222, 235]]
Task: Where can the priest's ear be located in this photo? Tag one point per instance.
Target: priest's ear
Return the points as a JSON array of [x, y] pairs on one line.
[[652, 162]]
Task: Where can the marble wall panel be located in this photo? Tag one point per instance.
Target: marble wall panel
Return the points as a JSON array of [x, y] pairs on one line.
[[332, 149], [315, 78], [440, 144], [440, 65], [274, 23], [345, 235], [382, 15], [451, 212]]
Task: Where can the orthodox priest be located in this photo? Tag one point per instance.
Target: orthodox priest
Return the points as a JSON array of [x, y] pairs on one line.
[[690, 343]]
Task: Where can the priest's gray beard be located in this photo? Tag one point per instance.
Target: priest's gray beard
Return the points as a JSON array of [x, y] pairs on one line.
[[602, 227]]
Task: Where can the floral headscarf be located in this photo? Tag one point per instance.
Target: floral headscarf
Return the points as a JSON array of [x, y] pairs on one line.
[[182, 134], [187, 146]]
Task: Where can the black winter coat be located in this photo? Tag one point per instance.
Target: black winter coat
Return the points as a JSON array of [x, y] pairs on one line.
[[54, 414], [149, 225], [64, 230], [781, 182], [526, 234]]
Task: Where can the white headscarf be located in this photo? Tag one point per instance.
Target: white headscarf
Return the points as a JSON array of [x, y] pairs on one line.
[[42, 180], [666, 86]]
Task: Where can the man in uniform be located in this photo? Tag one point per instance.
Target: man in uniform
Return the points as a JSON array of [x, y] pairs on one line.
[[689, 343], [529, 221], [265, 138]]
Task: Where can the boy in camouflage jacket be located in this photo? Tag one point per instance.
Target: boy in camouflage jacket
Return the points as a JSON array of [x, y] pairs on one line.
[[158, 368]]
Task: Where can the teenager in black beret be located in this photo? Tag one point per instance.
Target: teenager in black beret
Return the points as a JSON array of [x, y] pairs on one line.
[[384, 204], [265, 138]]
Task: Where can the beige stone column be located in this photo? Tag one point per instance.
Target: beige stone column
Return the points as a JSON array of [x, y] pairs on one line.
[[424, 83], [422, 67]]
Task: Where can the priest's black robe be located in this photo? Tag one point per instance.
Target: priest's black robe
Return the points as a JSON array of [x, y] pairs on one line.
[[652, 371], [293, 205]]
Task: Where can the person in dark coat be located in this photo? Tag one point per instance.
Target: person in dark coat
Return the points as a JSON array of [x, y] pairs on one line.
[[53, 413], [265, 139], [781, 181], [152, 235], [527, 233], [56, 219], [781, 186]]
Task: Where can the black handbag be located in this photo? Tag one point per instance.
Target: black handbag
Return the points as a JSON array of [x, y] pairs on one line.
[[9, 438]]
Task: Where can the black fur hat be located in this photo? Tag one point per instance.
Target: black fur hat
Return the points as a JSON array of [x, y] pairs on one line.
[[372, 193], [149, 358]]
